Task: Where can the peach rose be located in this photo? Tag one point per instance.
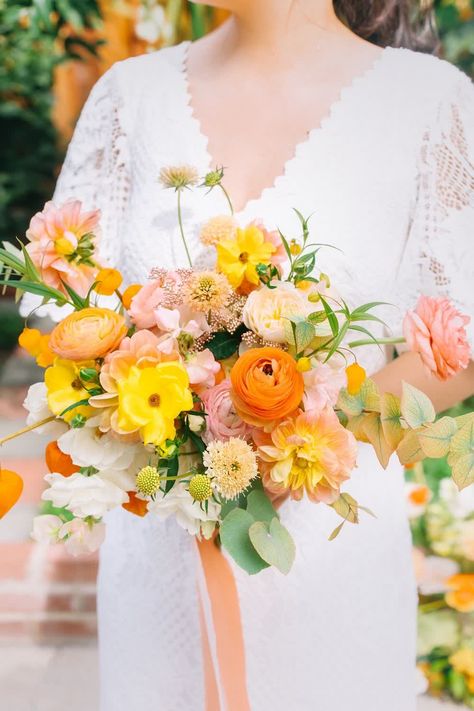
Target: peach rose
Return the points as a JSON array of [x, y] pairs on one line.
[[436, 330], [88, 334], [266, 311], [266, 386]]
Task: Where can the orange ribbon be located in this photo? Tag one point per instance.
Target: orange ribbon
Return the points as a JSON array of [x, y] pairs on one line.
[[225, 612]]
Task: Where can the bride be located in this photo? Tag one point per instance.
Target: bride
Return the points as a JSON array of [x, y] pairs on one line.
[[377, 143]]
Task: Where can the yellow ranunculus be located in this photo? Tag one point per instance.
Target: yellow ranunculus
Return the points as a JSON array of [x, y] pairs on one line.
[[65, 388], [237, 258], [151, 398]]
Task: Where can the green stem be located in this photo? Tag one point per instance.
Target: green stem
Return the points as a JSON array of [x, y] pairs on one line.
[[431, 606], [228, 198], [181, 229], [174, 478], [370, 342]]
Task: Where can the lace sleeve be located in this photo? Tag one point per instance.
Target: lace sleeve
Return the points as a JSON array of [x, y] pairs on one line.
[[439, 256], [95, 169]]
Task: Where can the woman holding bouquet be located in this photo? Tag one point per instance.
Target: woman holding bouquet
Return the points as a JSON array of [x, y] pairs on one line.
[[326, 108]]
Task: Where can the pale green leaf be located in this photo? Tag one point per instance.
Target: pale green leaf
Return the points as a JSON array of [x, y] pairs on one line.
[[351, 405], [234, 532], [369, 396], [375, 434], [347, 508], [417, 408], [409, 450], [260, 507], [390, 415], [336, 531], [436, 439], [463, 471], [274, 544]]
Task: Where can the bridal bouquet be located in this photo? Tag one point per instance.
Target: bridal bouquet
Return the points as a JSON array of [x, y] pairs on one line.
[[212, 395]]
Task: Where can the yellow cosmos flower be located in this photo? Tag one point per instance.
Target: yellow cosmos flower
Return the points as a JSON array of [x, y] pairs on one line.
[[151, 398], [65, 388], [237, 258]]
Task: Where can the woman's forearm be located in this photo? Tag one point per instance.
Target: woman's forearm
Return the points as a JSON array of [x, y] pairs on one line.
[[408, 367]]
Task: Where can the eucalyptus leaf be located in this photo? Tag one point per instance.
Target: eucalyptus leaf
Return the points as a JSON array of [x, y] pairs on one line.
[[234, 533], [260, 506], [274, 544]]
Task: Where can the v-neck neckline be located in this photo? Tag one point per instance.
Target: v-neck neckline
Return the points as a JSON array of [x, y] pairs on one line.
[[329, 117]]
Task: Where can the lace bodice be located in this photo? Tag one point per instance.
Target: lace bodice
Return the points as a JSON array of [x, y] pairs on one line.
[[389, 176]]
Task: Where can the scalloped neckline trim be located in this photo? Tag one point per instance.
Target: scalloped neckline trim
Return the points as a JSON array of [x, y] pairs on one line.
[[318, 131]]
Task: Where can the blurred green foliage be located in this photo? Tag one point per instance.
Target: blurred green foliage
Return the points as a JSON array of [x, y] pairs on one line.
[[35, 36], [455, 20]]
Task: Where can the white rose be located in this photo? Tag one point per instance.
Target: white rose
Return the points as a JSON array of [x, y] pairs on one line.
[[81, 537], [46, 528], [188, 513], [267, 310], [36, 403], [83, 495]]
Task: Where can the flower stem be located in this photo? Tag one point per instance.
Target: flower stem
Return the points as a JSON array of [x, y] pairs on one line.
[[431, 606], [227, 198], [370, 342], [24, 430], [181, 229]]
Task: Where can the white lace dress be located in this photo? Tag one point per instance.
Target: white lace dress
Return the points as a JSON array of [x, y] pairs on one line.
[[389, 177]]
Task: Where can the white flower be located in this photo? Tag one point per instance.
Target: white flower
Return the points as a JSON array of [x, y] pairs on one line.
[[266, 311], [466, 539], [83, 495], [82, 537], [46, 528], [188, 513], [460, 503], [37, 405], [196, 423], [152, 24], [432, 572], [417, 498]]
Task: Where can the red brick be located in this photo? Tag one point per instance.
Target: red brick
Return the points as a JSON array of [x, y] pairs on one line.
[[60, 566], [48, 630], [14, 559], [28, 602]]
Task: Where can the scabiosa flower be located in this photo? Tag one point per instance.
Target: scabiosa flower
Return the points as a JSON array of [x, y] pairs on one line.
[[231, 465], [218, 228], [178, 176], [207, 291]]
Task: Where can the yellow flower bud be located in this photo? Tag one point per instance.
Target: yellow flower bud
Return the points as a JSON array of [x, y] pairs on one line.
[[295, 248], [355, 377], [303, 364]]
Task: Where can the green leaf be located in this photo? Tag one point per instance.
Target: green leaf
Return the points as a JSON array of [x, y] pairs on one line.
[[409, 450], [76, 299], [336, 531], [31, 287], [300, 332], [31, 272], [390, 413], [331, 316], [347, 508], [463, 471], [79, 403], [375, 434], [351, 405], [369, 395], [274, 544], [317, 317], [436, 439], [234, 533], [223, 344], [417, 409], [370, 305], [260, 506]]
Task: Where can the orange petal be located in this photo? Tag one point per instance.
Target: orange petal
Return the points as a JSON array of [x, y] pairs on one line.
[[11, 486], [58, 461], [135, 505]]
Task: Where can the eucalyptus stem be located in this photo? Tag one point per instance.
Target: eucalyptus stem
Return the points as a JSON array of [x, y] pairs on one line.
[[29, 428], [380, 341], [227, 198], [181, 229]]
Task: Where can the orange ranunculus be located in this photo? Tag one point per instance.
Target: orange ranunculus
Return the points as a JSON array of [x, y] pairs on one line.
[[129, 293], [266, 385], [36, 344], [108, 281], [88, 334], [57, 461], [135, 505], [11, 486], [461, 595]]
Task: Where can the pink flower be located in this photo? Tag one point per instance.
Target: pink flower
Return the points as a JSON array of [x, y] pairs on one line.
[[59, 238], [322, 386], [150, 296], [179, 323], [202, 368], [222, 420], [279, 257], [436, 330]]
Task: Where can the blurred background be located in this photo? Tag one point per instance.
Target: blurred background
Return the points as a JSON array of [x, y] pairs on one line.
[[51, 53]]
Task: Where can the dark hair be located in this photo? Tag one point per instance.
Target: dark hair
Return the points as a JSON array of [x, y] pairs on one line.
[[399, 23]]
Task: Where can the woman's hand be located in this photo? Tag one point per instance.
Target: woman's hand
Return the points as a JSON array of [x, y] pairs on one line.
[[409, 367]]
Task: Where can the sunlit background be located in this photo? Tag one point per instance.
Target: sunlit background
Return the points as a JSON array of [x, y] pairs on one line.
[[51, 52]]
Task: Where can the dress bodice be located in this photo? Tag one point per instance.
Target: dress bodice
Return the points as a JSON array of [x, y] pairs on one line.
[[388, 178]]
